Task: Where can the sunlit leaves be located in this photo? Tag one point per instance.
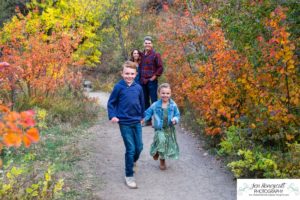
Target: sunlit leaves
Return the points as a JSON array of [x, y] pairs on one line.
[[38, 62], [17, 128], [83, 17], [222, 85]]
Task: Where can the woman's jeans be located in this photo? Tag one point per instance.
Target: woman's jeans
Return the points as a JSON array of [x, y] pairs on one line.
[[132, 137]]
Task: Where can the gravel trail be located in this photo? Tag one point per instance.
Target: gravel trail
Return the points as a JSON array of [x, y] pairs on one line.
[[195, 176]]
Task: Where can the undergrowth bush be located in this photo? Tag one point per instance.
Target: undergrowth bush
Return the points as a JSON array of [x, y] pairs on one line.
[[72, 111], [32, 173], [196, 125], [104, 83], [25, 182], [64, 107], [250, 158], [246, 157]]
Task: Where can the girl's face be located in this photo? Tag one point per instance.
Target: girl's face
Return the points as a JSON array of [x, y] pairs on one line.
[[165, 94], [135, 55]]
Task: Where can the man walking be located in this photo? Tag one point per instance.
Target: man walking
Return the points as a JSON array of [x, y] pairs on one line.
[[151, 69]]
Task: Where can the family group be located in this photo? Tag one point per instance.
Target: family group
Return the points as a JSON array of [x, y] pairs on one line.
[[134, 103]]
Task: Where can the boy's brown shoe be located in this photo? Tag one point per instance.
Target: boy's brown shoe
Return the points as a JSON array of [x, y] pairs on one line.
[[162, 165], [155, 157]]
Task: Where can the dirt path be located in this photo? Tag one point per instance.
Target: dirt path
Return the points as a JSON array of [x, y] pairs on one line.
[[195, 176]]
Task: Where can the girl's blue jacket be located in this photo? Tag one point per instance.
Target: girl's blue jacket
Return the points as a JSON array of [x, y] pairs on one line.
[[156, 111]]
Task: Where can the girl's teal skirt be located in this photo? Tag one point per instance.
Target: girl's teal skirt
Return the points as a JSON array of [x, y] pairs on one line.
[[165, 143]]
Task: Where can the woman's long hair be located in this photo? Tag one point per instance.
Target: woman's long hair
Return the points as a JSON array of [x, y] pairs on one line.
[[140, 57]]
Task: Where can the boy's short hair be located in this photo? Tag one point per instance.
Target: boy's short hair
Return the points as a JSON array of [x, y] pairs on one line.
[[129, 64], [148, 38], [163, 85]]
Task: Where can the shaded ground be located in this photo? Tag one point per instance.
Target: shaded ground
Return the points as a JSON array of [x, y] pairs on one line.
[[195, 176]]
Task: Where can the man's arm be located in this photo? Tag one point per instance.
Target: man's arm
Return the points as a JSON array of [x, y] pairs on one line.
[[159, 65]]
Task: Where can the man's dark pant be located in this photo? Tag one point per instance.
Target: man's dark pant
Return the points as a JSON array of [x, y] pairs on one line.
[[150, 92], [132, 137]]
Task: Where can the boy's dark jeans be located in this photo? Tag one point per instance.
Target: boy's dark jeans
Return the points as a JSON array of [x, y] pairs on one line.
[[150, 92], [132, 137]]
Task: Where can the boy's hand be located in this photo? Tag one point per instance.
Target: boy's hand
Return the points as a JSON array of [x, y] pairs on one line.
[[114, 120], [174, 120]]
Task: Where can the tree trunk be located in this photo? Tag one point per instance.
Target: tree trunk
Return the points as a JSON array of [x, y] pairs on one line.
[[118, 28]]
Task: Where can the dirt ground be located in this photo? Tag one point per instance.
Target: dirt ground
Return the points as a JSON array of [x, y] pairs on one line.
[[195, 176]]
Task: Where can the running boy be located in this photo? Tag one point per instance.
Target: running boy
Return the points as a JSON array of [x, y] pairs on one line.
[[126, 107]]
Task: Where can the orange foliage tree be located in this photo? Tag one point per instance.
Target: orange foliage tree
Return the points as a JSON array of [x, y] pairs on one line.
[[252, 107], [222, 85], [273, 89], [40, 62], [209, 83]]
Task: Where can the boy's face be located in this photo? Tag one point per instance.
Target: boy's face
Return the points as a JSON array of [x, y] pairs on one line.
[[128, 75]]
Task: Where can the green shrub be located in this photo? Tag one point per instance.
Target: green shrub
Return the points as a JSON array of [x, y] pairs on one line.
[[23, 183], [249, 157], [289, 162], [255, 164], [232, 141], [41, 115]]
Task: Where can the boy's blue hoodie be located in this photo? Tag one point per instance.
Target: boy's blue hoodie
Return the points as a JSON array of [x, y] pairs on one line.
[[126, 103]]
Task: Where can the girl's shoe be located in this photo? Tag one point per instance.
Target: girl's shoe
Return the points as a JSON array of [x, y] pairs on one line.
[[155, 157], [162, 165], [130, 182]]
